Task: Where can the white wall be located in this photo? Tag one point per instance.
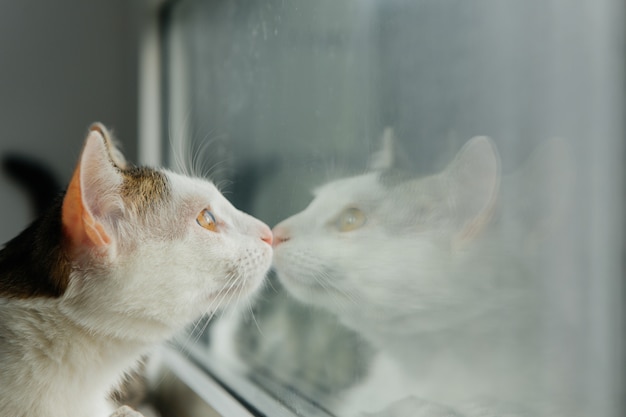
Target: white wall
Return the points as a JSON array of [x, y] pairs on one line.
[[63, 65]]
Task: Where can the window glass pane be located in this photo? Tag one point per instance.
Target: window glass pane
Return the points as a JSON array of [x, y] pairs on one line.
[[444, 180]]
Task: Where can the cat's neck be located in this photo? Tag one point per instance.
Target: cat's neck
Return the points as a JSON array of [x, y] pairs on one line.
[[430, 332], [53, 366], [470, 358], [495, 295]]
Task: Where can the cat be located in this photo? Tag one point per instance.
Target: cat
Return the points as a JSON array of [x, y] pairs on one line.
[[41, 186], [125, 258], [432, 273]]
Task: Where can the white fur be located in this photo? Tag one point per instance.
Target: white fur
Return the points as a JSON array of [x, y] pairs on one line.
[[62, 357]]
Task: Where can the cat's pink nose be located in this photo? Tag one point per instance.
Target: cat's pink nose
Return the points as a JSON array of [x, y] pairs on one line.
[[266, 235], [281, 235]]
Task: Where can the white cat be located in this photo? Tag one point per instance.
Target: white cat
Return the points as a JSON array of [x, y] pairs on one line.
[[426, 271], [127, 257]]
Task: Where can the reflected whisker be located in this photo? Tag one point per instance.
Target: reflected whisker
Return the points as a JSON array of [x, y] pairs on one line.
[[323, 276]]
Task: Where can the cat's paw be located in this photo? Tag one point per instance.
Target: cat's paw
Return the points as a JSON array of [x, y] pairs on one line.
[[414, 407], [126, 411]]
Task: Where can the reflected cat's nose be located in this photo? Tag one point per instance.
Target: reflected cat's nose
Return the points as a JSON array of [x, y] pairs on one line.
[[281, 234]]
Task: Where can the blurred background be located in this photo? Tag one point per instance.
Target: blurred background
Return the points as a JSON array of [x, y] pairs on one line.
[[63, 65]]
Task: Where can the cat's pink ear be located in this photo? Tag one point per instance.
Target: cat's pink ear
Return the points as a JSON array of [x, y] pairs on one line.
[[93, 185], [474, 180]]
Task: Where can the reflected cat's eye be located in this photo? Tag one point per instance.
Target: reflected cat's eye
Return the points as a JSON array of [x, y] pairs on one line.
[[350, 219], [206, 219]]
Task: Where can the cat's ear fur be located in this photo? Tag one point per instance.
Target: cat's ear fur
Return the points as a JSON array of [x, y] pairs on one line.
[[93, 192], [473, 178], [111, 144]]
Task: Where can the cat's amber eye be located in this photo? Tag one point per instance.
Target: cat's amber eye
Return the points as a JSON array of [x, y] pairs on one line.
[[206, 219], [350, 219]]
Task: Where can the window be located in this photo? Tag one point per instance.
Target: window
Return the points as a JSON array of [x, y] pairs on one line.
[[474, 274]]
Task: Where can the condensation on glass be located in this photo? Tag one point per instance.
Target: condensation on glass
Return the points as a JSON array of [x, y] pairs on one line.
[[445, 182]]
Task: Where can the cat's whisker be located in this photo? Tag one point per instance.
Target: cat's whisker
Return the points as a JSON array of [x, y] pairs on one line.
[[354, 298], [254, 318], [214, 170], [324, 277], [195, 334], [199, 155], [192, 336], [349, 296], [256, 323], [202, 169], [233, 279], [192, 153], [320, 279], [238, 286], [249, 306], [223, 183], [271, 285], [193, 331], [177, 144], [210, 312], [215, 307]]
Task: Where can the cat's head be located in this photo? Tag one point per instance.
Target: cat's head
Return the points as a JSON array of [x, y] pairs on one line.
[[382, 246], [149, 249]]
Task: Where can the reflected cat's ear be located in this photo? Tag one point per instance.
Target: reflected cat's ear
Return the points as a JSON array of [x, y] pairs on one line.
[[385, 157], [474, 179], [91, 195]]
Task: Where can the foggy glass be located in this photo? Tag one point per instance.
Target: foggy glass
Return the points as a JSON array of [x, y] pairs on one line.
[[432, 170]]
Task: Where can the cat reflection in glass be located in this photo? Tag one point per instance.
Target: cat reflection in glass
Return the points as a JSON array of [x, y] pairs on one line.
[[433, 273]]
